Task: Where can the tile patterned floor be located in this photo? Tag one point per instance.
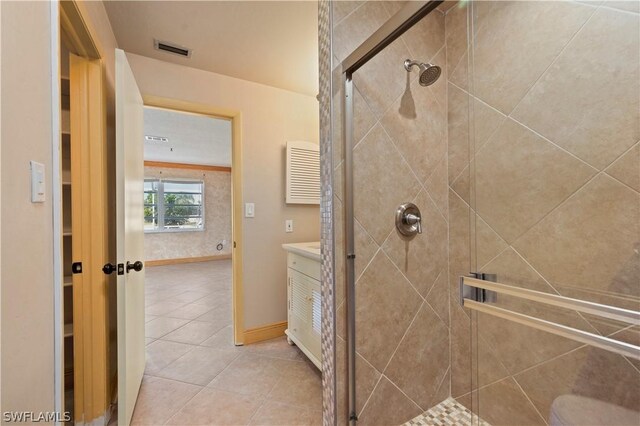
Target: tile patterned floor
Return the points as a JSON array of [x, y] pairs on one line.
[[196, 376], [448, 413]]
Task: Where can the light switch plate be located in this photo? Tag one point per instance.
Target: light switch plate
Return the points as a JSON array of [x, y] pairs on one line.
[[288, 225], [249, 210], [37, 182]]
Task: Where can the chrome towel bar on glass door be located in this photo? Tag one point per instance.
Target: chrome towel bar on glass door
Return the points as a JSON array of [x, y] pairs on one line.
[[605, 311]]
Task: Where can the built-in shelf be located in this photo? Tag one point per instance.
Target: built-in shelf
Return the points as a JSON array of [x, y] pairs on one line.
[[68, 240]]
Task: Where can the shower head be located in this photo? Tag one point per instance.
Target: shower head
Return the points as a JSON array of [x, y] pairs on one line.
[[429, 73]]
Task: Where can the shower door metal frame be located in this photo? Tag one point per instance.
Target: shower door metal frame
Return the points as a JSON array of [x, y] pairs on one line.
[[397, 25]]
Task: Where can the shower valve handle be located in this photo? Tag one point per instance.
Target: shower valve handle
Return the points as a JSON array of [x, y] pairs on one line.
[[409, 220], [412, 219]]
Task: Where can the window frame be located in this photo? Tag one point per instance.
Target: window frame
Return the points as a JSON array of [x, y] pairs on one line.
[[160, 205]]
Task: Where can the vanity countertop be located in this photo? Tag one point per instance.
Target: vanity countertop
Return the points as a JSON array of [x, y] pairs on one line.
[[310, 250]]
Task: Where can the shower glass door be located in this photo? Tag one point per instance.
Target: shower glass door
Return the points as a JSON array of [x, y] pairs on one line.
[[396, 154], [548, 93]]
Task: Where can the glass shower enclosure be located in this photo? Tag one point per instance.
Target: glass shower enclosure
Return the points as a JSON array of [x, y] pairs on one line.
[[486, 212]]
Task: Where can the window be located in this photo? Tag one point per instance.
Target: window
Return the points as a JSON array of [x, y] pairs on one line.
[[173, 205]]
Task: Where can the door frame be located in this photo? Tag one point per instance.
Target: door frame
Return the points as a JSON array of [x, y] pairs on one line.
[[236, 193]]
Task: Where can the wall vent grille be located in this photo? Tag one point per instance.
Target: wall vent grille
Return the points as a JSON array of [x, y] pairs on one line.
[[172, 48], [303, 173]]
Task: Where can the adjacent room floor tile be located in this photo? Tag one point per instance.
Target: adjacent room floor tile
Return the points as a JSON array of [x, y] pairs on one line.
[[194, 332], [160, 326]]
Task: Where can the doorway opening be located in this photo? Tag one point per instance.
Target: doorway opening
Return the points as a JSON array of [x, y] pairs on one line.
[[188, 240]]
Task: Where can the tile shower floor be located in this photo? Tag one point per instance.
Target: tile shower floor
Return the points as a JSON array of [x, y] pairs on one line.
[[448, 413], [195, 375]]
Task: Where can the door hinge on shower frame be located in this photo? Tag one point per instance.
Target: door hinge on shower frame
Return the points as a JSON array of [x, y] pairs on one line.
[[480, 295]]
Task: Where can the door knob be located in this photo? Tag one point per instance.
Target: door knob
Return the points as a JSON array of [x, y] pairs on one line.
[[409, 219], [136, 266], [109, 268]]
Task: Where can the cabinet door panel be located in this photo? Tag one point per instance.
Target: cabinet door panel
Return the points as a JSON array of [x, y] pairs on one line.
[[316, 318], [300, 306]]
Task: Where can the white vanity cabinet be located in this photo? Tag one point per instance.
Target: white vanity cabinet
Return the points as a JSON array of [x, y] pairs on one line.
[[304, 298]]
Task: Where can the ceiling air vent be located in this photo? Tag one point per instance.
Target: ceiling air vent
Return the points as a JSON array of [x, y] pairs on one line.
[[155, 139], [171, 48]]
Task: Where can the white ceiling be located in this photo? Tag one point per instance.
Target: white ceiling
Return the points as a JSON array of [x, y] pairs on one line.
[[193, 139], [269, 42]]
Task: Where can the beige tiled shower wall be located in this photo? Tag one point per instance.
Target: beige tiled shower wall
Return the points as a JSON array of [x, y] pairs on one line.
[[400, 155], [544, 180], [217, 221]]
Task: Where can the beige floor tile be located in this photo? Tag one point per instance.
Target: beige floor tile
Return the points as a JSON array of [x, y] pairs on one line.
[[159, 399], [194, 332], [300, 385], [278, 348], [251, 375], [215, 407], [218, 315], [148, 317], [198, 366], [160, 326], [163, 307], [216, 300], [223, 340], [161, 353], [278, 414], [190, 311], [176, 367], [189, 296]]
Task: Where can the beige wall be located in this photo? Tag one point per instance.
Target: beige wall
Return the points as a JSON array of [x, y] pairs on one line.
[[270, 117], [217, 223], [402, 298], [553, 195], [27, 251]]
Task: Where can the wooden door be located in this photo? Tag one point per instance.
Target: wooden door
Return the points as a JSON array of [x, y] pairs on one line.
[[89, 238], [130, 237]]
